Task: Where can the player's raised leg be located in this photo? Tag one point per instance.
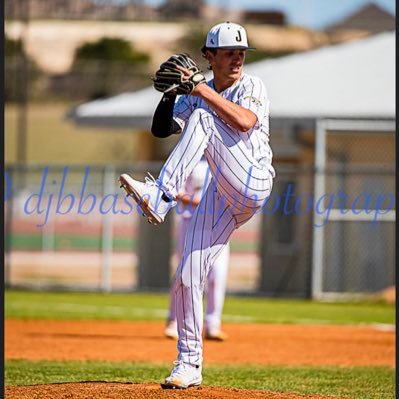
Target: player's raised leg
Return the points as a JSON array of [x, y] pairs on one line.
[[244, 184]]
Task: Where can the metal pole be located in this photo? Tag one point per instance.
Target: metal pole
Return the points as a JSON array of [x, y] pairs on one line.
[[362, 125], [8, 232], [48, 235], [107, 232], [22, 125], [319, 190]]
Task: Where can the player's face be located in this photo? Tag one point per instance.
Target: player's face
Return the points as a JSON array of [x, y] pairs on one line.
[[227, 63]]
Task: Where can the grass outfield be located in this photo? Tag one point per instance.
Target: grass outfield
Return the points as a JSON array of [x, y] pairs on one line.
[[53, 139], [29, 241], [353, 382], [137, 306]]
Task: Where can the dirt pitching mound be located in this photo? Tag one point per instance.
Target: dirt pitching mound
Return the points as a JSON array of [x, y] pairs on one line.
[[100, 390]]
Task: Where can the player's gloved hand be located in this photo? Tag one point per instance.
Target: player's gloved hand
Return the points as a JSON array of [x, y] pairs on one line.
[[172, 78]]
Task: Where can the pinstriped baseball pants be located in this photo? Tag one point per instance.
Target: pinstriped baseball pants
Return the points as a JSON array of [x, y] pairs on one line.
[[216, 282], [238, 188]]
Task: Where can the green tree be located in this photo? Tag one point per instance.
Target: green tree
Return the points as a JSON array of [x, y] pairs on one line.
[[192, 42], [110, 49], [107, 66], [12, 47], [13, 57]]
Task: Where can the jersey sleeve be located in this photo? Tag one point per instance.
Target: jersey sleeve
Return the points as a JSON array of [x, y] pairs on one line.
[[182, 110], [254, 97]]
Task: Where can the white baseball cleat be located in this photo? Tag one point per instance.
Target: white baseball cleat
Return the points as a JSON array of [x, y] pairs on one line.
[[171, 330], [216, 335], [183, 376], [148, 196]]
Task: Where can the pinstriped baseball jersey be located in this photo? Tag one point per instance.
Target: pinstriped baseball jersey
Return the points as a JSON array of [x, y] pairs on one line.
[[250, 93]]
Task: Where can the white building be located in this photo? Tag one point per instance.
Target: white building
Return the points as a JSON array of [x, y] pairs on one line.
[[332, 131]]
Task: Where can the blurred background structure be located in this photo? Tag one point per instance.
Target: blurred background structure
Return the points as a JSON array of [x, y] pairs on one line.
[[78, 111]]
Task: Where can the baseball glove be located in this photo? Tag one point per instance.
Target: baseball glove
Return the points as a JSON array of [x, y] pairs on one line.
[[170, 80]]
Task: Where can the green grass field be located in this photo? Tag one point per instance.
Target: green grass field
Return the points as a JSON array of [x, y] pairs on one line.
[[53, 139], [139, 306], [348, 382], [34, 242], [29, 241], [354, 382]]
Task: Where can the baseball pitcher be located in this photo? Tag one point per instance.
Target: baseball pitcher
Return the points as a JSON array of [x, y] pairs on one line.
[[226, 120]]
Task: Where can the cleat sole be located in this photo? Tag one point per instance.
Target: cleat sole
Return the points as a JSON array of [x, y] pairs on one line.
[[173, 386], [141, 203]]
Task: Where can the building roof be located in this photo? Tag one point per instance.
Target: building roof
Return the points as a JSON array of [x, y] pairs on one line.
[[351, 80], [370, 18], [354, 80]]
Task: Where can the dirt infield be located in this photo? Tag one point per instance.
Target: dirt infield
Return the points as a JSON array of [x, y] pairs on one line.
[[266, 344], [141, 391], [144, 341]]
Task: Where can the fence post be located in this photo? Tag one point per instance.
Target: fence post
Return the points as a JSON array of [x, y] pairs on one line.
[[319, 190], [154, 252], [48, 235], [8, 229], [107, 232]]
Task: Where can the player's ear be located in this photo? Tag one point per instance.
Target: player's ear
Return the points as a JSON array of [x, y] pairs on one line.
[[208, 55]]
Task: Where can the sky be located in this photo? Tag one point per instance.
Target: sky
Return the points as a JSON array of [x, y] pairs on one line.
[[313, 14]]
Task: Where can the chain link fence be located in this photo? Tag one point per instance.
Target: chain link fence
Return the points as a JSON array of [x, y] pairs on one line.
[[354, 247], [73, 228], [65, 228]]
